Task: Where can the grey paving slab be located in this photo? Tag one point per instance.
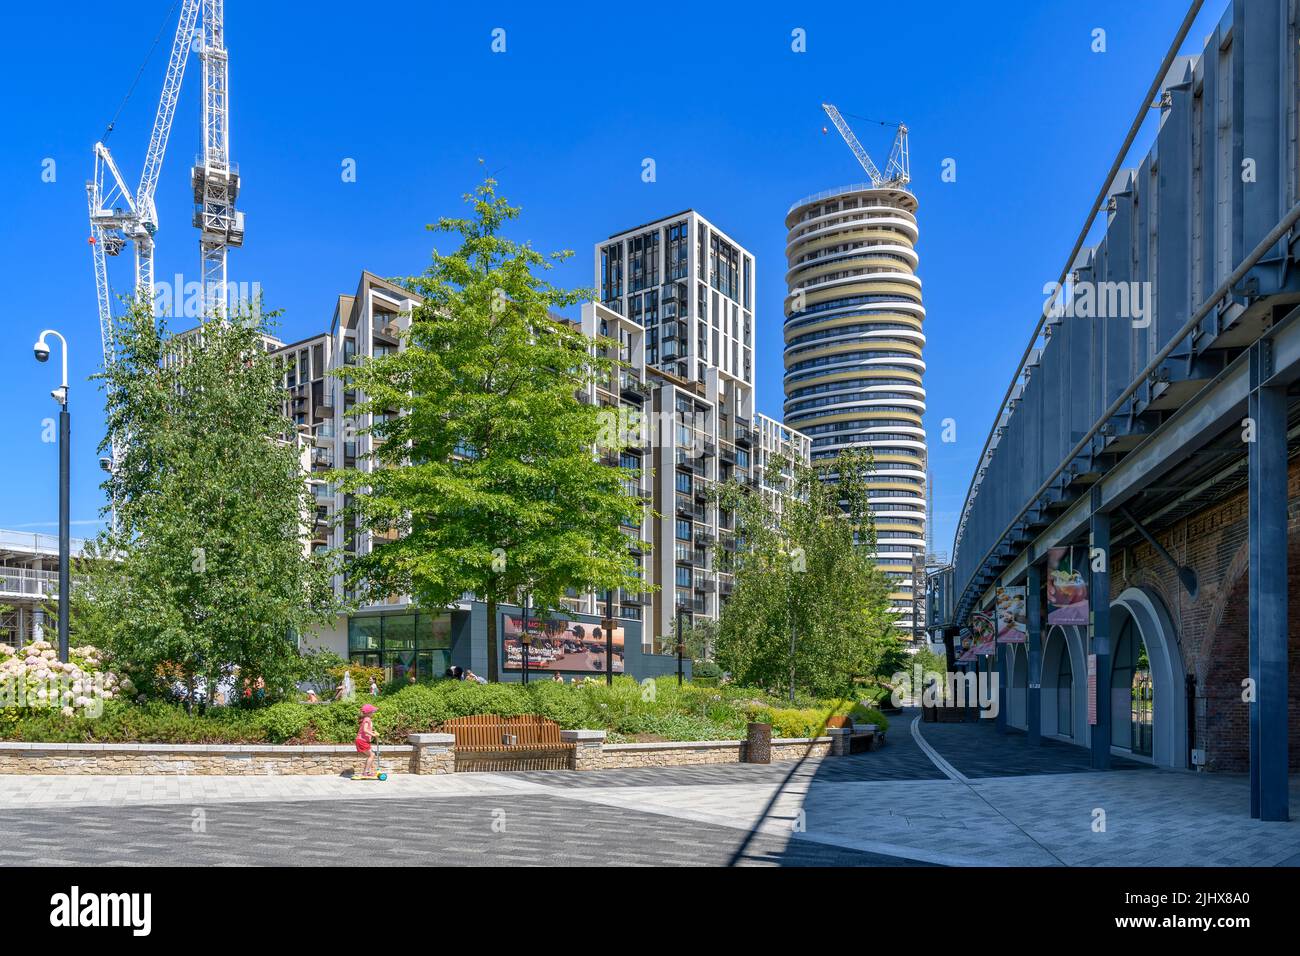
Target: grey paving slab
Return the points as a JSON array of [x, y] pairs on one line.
[[977, 750], [539, 829], [1005, 803]]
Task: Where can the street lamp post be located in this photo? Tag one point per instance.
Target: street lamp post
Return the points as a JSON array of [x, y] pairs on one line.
[[792, 646], [60, 394], [609, 636], [526, 639], [681, 642]]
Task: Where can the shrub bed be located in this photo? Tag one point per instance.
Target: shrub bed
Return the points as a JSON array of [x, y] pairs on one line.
[[626, 710]]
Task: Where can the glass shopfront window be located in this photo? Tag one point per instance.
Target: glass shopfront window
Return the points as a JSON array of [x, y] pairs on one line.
[[413, 643]]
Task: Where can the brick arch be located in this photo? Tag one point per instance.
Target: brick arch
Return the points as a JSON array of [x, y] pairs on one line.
[[1235, 576], [1224, 729], [1153, 580]]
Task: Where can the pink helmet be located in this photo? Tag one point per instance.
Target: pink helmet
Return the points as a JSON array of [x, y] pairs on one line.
[[369, 709]]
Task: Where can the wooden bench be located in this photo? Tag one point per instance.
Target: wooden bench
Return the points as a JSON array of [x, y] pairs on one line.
[[860, 741], [487, 742]]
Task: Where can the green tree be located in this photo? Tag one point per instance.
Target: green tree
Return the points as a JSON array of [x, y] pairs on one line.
[[486, 473], [810, 609], [210, 506]]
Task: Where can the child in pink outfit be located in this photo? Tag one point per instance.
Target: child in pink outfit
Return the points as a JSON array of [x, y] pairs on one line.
[[366, 739]]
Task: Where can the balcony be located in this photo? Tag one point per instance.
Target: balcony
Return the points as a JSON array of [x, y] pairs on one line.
[[28, 582], [632, 388], [385, 328], [704, 539]]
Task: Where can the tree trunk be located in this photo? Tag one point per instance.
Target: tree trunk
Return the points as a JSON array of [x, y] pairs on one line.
[[491, 639]]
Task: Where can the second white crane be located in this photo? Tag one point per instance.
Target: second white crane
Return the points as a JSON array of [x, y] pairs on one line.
[[897, 173]]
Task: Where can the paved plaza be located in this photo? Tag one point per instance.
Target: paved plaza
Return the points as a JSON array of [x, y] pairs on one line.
[[948, 794]]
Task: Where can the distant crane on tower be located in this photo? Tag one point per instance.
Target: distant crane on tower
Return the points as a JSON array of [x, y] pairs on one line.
[[897, 169], [119, 215]]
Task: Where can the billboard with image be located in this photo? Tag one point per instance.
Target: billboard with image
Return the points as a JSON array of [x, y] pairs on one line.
[[1012, 615], [557, 645], [1067, 586]]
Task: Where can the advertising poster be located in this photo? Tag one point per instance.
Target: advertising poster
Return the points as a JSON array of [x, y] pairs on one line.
[[1067, 586], [965, 646], [1012, 615], [985, 634], [560, 646]]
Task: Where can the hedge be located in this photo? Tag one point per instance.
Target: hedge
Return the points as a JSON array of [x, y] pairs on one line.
[[625, 710]]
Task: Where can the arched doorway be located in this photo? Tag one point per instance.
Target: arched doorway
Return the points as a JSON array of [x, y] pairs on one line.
[[1064, 696], [1147, 695], [1132, 692]]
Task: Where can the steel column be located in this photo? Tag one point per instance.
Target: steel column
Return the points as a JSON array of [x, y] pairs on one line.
[[1267, 467], [1002, 688], [1034, 621], [1099, 624]]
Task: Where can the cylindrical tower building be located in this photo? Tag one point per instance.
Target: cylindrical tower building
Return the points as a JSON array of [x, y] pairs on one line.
[[853, 365]]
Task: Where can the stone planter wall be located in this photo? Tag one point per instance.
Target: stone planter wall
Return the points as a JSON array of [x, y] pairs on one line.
[[197, 759], [592, 753], [425, 754]]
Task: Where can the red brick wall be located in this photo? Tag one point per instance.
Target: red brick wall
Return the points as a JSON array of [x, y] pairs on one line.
[[1212, 628]]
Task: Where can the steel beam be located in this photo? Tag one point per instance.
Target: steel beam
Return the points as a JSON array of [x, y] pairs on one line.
[[1217, 408]]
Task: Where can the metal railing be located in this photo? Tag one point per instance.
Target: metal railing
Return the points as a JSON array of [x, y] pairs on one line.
[[30, 582], [29, 543], [831, 194]]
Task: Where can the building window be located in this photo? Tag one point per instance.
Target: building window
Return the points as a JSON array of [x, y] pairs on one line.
[[611, 273], [402, 644], [678, 253], [683, 530]]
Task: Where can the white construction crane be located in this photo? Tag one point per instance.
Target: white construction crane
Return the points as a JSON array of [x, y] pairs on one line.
[[897, 173], [215, 183]]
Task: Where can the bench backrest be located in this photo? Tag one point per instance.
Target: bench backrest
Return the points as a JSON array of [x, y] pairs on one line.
[[487, 730]]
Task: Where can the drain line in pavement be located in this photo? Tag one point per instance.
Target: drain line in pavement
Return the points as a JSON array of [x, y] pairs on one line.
[[952, 773]]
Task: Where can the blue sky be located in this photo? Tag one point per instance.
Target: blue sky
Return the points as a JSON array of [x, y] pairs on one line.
[[714, 94]]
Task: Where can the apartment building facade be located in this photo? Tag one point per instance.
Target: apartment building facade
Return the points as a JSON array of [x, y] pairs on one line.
[[676, 310], [677, 296], [853, 360], [393, 633]]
